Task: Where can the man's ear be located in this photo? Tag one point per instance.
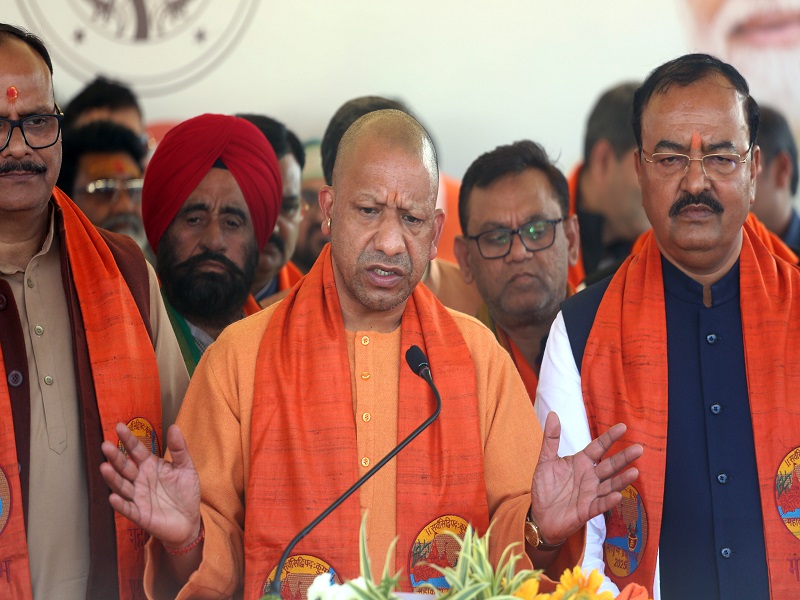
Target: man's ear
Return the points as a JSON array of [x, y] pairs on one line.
[[755, 168], [573, 235], [601, 160], [781, 170], [462, 256], [438, 227], [326, 197]]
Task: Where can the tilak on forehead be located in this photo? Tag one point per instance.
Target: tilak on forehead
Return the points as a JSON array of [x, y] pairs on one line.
[[697, 141], [12, 93]]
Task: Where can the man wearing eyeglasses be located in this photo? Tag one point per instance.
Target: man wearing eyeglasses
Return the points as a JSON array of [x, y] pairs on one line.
[[102, 173], [693, 344], [517, 246], [84, 342]]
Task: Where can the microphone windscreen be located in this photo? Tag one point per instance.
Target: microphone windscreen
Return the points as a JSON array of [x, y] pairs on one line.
[[416, 359]]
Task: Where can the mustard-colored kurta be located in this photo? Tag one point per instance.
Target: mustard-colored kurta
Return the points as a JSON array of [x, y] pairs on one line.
[[216, 419]]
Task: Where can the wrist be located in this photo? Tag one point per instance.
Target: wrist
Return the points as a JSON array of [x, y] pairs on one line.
[[535, 538], [185, 548]]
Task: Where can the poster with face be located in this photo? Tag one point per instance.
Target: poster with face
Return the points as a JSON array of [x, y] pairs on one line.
[[761, 39]]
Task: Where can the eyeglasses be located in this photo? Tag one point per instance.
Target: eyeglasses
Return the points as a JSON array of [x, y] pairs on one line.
[[38, 131], [534, 235], [667, 165], [107, 191]]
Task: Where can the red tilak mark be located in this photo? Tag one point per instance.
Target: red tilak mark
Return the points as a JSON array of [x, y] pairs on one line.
[[12, 93], [118, 166], [697, 141]]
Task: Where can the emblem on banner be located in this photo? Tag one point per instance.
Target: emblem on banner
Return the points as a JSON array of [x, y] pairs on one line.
[[787, 491], [145, 433], [156, 46], [298, 574], [5, 500], [626, 533], [434, 546]]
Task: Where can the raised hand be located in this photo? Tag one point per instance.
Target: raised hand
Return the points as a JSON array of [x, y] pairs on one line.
[[567, 492], [161, 497]]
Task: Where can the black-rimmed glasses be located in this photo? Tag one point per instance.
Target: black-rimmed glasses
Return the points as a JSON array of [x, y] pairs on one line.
[[38, 131], [535, 235]]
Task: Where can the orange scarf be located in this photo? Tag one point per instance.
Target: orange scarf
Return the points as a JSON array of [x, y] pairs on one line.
[[624, 379], [125, 377], [288, 276], [303, 448]]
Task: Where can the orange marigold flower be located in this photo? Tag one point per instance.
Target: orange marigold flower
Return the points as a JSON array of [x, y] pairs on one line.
[[574, 585], [528, 590]]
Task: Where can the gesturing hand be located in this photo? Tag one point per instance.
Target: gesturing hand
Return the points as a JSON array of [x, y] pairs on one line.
[[567, 492], [161, 497]]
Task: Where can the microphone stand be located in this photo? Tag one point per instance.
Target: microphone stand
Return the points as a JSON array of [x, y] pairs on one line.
[[419, 364]]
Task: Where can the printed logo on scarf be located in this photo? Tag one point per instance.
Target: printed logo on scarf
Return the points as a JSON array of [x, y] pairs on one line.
[[145, 433], [434, 546], [787, 491], [5, 500], [626, 533], [299, 572]]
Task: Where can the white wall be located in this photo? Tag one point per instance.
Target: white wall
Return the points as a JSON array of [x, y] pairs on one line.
[[478, 73]]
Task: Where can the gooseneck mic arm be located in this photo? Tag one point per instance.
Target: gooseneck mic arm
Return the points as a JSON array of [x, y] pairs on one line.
[[418, 363]]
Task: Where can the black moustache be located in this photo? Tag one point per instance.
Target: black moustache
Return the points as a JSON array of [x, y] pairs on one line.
[[25, 166], [703, 199]]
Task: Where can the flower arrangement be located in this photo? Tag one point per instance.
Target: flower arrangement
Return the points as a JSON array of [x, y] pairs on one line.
[[472, 578]]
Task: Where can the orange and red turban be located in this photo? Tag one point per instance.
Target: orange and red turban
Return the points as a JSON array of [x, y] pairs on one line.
[[188, 152]]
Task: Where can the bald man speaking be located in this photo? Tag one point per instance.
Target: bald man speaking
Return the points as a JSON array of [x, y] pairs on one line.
[[310, 393]]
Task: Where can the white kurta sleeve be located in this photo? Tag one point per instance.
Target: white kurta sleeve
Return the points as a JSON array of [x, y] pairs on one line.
[[559, 390]]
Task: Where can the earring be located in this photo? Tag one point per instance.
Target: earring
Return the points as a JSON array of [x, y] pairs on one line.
[[329, 223]]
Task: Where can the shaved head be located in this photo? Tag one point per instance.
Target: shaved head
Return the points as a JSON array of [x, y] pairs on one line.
[[394, 129]]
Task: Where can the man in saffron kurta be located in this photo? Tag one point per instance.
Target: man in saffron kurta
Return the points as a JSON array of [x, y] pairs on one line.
[[210, 201], [311, 393], [693, 345], [84, 343]]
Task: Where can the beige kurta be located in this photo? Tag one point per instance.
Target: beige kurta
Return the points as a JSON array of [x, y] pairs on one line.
[[58, 517], [216, 420]]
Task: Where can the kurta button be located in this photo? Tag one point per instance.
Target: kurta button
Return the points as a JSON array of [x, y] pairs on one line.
[[365, 462], [716, 409], [30, 282], [38, 330], [726, 552], [722, 478], [365, 375], [711, 338], [15, 378], [364, 340], [366, 417], [3, 302], [48, 380]]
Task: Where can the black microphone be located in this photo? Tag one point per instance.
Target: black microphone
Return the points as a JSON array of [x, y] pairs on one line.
[[418, 363]]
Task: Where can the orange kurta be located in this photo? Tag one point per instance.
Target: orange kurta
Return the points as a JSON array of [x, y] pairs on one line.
[[224, 385], [439, 475], [624, 379]]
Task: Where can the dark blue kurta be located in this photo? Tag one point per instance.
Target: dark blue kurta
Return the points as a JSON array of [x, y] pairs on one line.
[[712, 538]]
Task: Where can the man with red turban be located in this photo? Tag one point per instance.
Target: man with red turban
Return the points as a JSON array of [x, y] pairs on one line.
[[211, 197]]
